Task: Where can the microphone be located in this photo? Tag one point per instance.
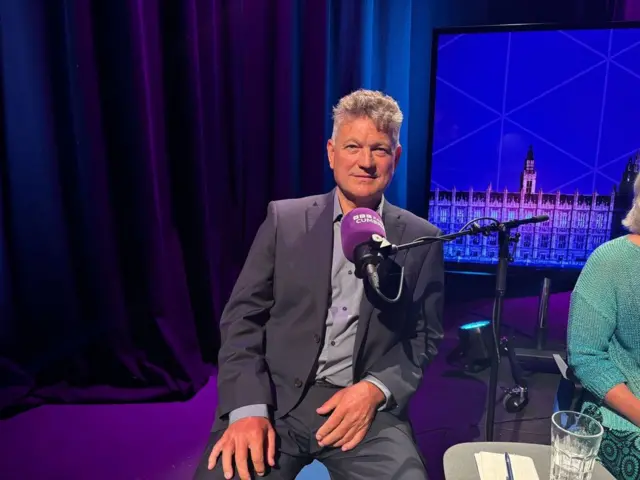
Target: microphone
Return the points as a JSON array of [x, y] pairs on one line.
[[356, 231], [525, 221]]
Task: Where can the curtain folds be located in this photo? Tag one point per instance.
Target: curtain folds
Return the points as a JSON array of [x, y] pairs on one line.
[[140, 143]]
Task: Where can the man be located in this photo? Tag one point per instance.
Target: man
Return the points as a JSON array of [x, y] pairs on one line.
[[313, 364]]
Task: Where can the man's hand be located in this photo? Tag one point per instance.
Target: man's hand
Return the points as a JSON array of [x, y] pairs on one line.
[[353, 409], [244, 436]]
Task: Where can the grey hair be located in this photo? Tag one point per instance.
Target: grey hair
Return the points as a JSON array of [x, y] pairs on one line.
[[632, 220], [382, 109]]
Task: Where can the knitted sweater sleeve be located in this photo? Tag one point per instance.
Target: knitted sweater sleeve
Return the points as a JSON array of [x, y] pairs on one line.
[[592, 323]]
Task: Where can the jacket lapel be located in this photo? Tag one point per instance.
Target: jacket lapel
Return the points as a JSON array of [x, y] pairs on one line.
[[318, 254], [394, 227]]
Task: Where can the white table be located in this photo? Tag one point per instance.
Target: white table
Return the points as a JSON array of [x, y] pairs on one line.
[[460, 463]]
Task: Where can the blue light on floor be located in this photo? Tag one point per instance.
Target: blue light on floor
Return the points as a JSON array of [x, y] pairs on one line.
[[472, 325]]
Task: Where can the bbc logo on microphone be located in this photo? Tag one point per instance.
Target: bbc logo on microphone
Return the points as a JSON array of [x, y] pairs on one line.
[[368, 218]]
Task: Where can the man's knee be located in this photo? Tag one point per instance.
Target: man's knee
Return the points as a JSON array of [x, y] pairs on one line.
[[287, 466], [217, 472], [399, 455], [280, 472], [387, 452]]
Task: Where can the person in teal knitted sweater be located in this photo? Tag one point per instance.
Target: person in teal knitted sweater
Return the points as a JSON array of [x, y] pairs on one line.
[[603, 343]]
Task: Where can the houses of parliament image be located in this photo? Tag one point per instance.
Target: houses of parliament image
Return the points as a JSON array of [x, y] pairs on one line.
[[578, 223]]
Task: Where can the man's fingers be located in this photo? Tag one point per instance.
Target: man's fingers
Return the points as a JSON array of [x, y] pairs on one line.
[[330, 404], [227, 461], [355, 441], [335, 436], [257, 456], [343, 425], [241, 457], [271, 447], [347, 437], [213, 458], [332, 423]]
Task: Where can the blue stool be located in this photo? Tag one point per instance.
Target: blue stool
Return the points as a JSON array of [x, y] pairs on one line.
[[314, 471]]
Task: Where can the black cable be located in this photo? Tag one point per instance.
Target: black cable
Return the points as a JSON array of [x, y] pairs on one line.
[[374, 281]]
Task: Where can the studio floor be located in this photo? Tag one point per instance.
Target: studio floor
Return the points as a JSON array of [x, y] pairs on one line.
[[164, 441]]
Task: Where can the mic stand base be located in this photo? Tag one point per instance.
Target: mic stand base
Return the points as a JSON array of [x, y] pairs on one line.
[[516, 397]]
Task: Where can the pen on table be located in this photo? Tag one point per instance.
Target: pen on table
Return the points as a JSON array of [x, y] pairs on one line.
[[507, 460]]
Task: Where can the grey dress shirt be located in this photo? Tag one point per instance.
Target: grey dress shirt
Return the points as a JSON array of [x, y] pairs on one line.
[[335, 364]]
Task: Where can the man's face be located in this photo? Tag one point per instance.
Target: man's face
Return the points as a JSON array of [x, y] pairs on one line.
[[363, 160]]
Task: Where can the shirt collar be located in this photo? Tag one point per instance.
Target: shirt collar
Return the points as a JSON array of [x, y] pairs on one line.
[[337, 209]]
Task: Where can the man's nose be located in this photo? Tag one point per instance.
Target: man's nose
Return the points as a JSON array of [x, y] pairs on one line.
[[366, 161]]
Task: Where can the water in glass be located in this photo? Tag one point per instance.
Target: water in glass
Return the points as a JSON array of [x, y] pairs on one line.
[[575, 441]]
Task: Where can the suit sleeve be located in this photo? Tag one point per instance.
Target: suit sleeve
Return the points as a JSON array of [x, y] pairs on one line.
[[400, 370], [243, 376]]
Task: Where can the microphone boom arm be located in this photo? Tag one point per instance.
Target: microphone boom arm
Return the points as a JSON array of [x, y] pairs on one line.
[[385, 248]]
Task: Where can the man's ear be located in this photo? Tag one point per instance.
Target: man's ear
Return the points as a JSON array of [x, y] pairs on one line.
[[398, 154], [331, 152]]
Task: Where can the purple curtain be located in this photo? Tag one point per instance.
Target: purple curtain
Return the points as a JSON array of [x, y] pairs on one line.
[[628, 10], [140, 141]]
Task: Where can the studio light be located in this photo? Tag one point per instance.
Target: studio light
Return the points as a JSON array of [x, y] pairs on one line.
[[474, 349]]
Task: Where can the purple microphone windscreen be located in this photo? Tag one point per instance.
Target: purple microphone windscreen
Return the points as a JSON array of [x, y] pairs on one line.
[[357, 227]]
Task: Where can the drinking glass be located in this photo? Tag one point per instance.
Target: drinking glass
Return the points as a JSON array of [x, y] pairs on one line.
[[575, 441]]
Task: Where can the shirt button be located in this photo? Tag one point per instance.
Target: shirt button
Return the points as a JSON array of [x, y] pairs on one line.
[[298, 383], [333, 343], [316, 338], [344, 308], [350, 272]]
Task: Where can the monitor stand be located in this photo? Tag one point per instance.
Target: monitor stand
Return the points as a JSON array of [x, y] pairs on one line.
[[538, 358]]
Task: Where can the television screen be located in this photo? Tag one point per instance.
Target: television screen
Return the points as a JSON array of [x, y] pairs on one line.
[[532, 122]]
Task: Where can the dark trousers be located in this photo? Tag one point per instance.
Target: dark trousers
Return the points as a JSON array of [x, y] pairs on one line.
[[387, 452]]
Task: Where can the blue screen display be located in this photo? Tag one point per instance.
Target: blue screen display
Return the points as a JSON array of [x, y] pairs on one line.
[[535, 123]]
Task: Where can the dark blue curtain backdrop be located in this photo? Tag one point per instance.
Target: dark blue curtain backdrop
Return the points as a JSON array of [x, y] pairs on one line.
[[141, 141]]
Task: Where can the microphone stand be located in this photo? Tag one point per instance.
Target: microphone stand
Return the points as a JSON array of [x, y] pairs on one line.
[[504, 257], [505, 240]]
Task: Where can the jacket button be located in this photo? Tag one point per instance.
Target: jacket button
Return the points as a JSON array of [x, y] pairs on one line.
[[298, 383], [316, 338]]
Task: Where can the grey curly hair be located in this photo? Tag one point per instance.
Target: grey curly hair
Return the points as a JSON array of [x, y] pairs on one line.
[[632, 220], [382, 109]]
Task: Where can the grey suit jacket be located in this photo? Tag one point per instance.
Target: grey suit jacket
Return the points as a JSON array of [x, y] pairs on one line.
[[273, 325]]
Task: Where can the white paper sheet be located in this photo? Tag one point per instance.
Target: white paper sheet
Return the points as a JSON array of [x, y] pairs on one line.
[[492, 466]]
